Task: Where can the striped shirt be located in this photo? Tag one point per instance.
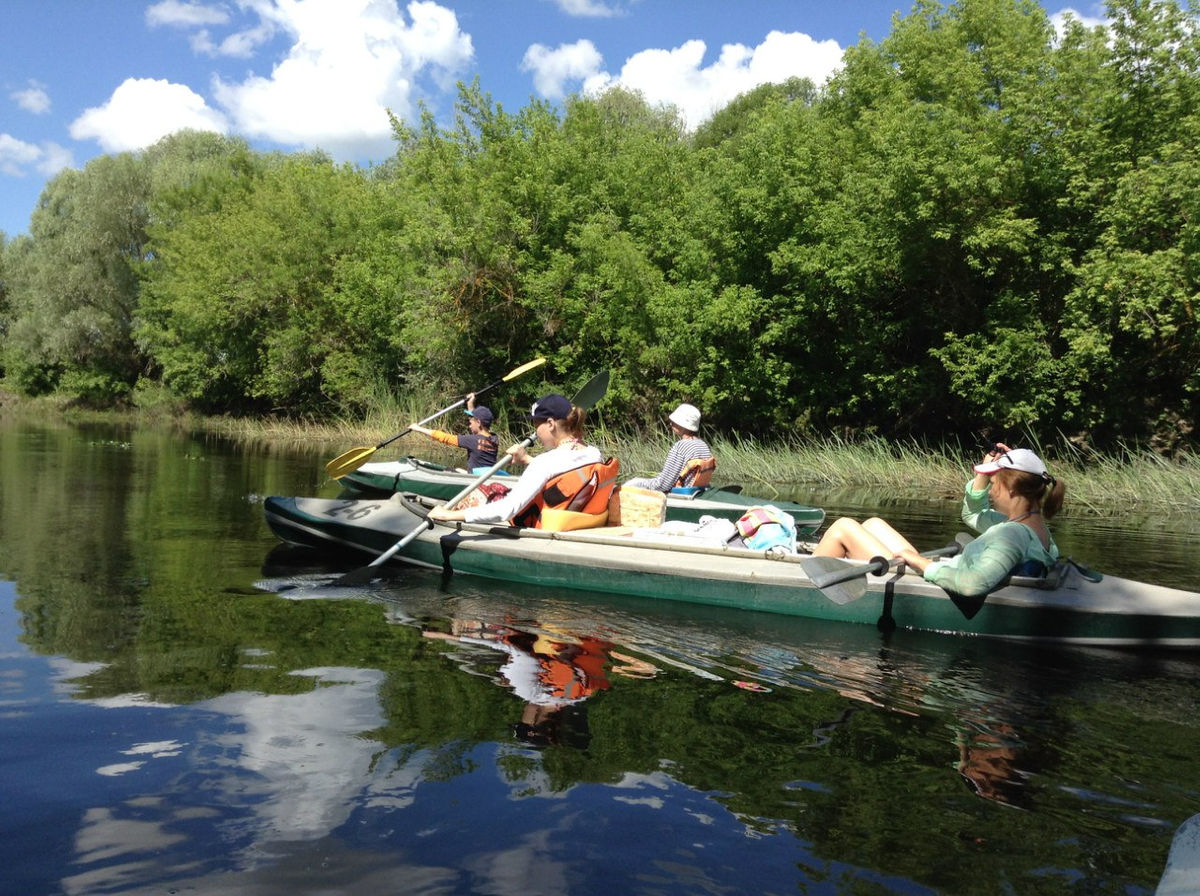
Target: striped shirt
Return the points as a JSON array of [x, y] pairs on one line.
[[681, 452]]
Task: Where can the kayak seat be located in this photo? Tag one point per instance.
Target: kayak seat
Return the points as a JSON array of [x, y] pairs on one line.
[[1052, 579], [570, 520], [688, 492], [697, 473]]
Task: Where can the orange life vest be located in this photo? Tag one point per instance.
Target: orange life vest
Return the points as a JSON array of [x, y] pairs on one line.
[[697, 473], [584, 489]]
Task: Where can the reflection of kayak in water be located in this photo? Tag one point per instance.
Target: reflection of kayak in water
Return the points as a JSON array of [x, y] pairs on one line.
[[1182, 874], [549, 670]]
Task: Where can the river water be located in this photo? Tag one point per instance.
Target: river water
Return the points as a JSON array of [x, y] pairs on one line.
[[183, 714]]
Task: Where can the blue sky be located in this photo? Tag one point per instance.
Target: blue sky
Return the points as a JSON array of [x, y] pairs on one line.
[[79, 78]]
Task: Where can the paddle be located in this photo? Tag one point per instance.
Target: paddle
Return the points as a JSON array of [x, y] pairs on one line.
[[586, 398], [351, 460], [843, 582]]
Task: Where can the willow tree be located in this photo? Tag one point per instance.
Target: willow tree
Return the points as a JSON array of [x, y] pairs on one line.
[[74, 283], [241, 308]]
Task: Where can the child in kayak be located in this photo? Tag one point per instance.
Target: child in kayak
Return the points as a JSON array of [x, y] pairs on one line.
[[680, 469], [481, 446]]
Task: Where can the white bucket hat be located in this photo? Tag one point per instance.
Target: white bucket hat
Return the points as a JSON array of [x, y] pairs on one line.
[[687, 416]]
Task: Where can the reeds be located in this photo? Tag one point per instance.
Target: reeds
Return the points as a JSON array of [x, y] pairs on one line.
[[1104, 484], [1099, 484]]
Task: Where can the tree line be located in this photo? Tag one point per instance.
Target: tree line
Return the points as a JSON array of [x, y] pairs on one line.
[[977, 226]]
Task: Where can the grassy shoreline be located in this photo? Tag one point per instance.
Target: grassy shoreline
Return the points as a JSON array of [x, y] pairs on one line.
[[1096, 484], [1105, 485]]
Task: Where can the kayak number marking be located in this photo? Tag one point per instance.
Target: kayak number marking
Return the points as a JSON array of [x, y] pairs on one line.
[[352, 510]]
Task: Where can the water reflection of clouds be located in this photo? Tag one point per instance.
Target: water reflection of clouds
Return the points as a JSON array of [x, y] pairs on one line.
[[157, 750], [285, 768], [306, 750]]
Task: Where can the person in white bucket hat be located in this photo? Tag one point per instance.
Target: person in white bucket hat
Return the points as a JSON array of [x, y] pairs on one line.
[[690, 460], [1008, 502]]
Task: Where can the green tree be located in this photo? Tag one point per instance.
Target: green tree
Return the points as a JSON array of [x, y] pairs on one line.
[[74, 283], [541, 235], [241, 308]]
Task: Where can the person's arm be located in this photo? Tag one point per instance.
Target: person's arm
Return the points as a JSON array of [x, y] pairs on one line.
[[672, 467], [525, 490], [983, 564], [977, 509], [446, 438]]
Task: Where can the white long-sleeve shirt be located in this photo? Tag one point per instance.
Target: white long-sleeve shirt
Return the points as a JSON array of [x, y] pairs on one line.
[[541, 470]]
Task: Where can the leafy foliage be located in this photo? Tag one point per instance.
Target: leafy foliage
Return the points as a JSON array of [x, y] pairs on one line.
[[977, 225]]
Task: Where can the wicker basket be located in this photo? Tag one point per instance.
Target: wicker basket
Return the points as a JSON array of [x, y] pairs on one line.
[[639, 508]]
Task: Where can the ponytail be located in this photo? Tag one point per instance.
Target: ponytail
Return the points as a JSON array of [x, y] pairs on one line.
[[1045, 491], [573, 423], [1052, 500]]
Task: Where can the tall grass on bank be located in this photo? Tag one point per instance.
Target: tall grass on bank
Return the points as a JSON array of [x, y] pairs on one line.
[[1103, 484], [1099, 484], [1096, 484]]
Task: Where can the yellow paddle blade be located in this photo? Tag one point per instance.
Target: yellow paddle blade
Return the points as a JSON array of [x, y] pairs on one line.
[[348, 462], [524, 368]]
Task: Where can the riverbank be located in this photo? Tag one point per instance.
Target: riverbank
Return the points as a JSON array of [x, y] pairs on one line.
[[1096, 484], [1104, 485]]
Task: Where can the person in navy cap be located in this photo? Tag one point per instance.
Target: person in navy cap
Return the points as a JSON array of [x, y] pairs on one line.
[[559, 428], [481, 446]]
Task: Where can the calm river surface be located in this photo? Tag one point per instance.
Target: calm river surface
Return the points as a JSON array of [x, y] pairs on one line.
[[176, 719]]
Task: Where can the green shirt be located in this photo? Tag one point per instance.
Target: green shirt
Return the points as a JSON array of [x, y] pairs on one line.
[[1001, 547]]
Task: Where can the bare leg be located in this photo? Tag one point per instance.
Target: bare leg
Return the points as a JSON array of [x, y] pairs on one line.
[[896, 543], [847, 537]]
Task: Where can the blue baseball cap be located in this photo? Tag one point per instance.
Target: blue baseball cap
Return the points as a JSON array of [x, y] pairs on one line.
[[482, 414]]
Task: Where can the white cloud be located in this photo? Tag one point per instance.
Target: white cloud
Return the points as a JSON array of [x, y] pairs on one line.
[[595, 9], [18, 158], [243, 44], [679, 76], [1059, 20], [142, 111], [53, 159], [33, 98], [16, 155], [350, 61], [181, 14], [553, 70]]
